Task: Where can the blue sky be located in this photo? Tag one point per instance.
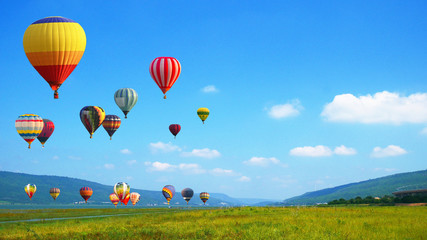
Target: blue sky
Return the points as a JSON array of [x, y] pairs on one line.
[[303, 95]]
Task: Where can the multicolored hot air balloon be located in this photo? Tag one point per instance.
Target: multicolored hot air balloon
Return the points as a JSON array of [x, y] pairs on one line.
[[168, 192], [30, 189], [165, 71], [204, 196], [47, 131], [126, 98], [203, 113], [54, 192], [86, 193], [114, 199], [29, 126], [111, 123], [92, 117], [134, 197], [126, 200], [54, 46], [187, 194], [174, 129], [121, 189]]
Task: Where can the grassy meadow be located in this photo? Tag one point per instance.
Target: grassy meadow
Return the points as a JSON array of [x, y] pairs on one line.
[[355, 222]]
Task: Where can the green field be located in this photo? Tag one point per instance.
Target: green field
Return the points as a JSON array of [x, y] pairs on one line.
[[356, 222]]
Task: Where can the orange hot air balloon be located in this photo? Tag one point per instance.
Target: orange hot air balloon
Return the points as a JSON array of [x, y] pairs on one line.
[[126, 200], [114, 199], [86, 193], [54, 46], [134, 197]]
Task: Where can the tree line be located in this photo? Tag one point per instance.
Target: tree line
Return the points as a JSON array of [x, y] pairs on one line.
[[383, 200]]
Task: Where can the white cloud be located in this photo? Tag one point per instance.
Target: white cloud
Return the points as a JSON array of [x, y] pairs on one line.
[[285, 110], [74, 158], [308, 151], [383, 107], [261, 161], [125, 151], [131, 162], [163, 147], [244, 179], [209, 89], [222, 172], [203, 153], [343, 150], [389, 151], [109, 166], [160, 167], [56, 157], [191, 168]]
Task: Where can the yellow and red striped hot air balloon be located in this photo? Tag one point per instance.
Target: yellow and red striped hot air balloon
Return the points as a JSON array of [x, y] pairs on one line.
[[114, 199], [30, 189], [54, 46], [54, 192], [29, 126]]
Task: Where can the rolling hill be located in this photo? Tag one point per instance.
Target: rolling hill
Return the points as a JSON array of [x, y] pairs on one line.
[[374, 187]]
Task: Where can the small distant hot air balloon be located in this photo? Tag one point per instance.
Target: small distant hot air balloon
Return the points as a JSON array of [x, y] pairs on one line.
[[46, 132], [187, 194], [174, 129], [121, 189], [54, 192], [111, 123], [92, 117], [126, 98], [30, 189], [86, 192], [168, 192], [203, 113], [126, 200], [114, 199], [204, 196], [134, 197], [54, 46], [165, 71], [29, 126]]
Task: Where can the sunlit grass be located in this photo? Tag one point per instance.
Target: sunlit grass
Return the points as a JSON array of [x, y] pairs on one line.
[[235, 223]]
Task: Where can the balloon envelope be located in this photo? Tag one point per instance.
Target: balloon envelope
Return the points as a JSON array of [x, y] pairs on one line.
[[86, 193], [174, 129], [121, 189], [187, 194], [125, 98], [48, 128], [114, 199], [54, 46], [30, 189], [54, 192], [126, 200], [111, 123], [134, 197], [165, 71], [29, 126], [204, 196], [168, 192], [203, 114], [92, 117]]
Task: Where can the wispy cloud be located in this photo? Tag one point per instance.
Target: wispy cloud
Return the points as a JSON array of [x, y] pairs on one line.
[[163, 147], [308, 151], [382, 107], [191, 168], [389, 151], [244, 179], [262, 161], [343, 150], [109, 166], [285, 110], [56, 157], [160, 167], [126, 151], [222, 172], [284, 182], [424, 131], [74, 158], [132, 162], [203, 153], [210, 89], [388, 170]]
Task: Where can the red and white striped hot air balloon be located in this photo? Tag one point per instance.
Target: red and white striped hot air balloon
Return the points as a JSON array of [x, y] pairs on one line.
[[165, 71]]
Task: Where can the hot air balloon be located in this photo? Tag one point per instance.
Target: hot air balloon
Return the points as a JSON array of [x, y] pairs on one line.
[[46, 132], [111, 123], [126, 200], [134, 197], [54, 46], [203, 113], [165, 71], [121, 189], [168, 192], [30, 189], [54, 192], [187, 194], [174, 129], [204, 196], [126, 98], [114, 199], [29, 126], [86, 192], [92, 117]]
